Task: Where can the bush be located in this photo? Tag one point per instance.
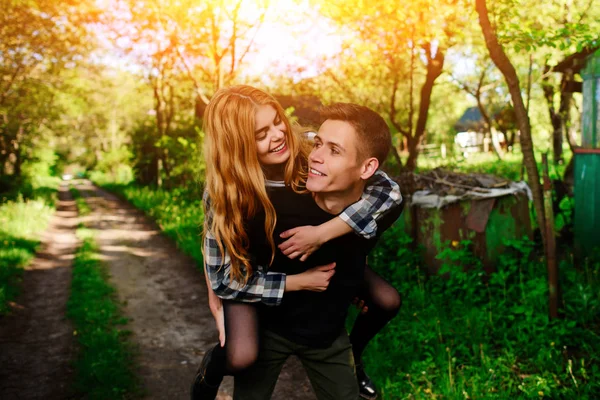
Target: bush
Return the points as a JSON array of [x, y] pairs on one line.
[[463, 334]]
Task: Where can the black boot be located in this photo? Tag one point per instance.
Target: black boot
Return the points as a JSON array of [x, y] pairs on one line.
[[202, 389], [367, 388]]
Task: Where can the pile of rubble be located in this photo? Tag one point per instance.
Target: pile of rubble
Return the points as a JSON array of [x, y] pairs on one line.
[[439, 187]]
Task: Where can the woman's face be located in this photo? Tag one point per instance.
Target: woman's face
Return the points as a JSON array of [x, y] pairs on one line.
[[270, 133]]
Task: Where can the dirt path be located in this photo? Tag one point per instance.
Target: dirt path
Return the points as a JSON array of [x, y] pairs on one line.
[[164, 294], [36, 339]]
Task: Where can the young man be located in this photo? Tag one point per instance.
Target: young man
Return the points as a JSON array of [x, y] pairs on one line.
[[351, 145]]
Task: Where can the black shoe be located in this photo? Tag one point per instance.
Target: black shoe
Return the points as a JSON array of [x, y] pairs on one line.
[[201, 389], [367, 388]]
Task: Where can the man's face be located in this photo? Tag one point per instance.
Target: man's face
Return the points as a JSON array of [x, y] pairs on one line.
[[333, 162]]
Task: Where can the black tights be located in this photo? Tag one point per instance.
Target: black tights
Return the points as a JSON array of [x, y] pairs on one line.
[[241, 341], [241, 327]]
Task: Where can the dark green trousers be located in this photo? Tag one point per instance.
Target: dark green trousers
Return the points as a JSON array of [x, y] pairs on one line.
[[331, 371]]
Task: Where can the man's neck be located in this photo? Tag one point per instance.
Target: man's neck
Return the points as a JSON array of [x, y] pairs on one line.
[[336, 202]]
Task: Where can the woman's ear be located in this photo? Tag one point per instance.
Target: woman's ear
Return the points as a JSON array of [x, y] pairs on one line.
[[369, 167]]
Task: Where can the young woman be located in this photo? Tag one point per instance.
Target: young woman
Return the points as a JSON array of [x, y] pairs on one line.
[[250, 145]]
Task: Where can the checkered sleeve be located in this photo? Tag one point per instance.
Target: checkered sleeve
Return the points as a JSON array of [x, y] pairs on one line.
[[380, 195], [262, 286]]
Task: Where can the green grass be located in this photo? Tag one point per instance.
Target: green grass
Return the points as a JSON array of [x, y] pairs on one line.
[[105, 363], [461, 336], [509, 167], [24, 214], [82, 206], [178, 212]]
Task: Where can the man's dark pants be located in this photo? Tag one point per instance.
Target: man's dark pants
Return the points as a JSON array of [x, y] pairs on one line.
[[331, 370]]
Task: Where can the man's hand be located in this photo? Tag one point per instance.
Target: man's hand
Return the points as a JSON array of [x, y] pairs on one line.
[[315, 279], [302, 241]]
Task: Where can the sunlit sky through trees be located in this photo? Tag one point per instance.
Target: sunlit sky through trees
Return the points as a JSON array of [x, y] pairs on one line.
[[294, 39]]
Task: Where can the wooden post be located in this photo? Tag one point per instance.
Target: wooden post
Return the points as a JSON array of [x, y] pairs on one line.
[[550, 243]]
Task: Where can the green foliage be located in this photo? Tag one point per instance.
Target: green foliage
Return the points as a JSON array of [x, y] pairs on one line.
[[484, 163], [21, 222], [104, 365], [122, 176], [115, 162], [564, 217], [464, 334]]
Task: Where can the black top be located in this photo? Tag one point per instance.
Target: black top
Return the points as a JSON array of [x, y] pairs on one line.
[[305, 317]]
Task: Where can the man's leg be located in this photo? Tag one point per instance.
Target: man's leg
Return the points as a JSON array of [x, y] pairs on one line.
[[331, 370], [383, 301], [258, 381]]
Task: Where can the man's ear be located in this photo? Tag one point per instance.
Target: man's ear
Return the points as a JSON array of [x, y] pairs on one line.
[[369, 167]]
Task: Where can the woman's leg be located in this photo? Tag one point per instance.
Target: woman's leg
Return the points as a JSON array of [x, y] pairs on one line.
[[240, 350], [383, 302], [241, 335]]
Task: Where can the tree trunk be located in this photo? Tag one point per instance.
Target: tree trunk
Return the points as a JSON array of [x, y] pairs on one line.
[[435, 66], [557, 138], [565, 116], [510, 140], [199, 108], [489, 127], [17, 151], [508, 71], [496, 144], [413, 153], [559, 119], [397, 158]]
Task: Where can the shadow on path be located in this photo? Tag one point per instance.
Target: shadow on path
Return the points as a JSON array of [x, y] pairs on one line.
[[36, 339]]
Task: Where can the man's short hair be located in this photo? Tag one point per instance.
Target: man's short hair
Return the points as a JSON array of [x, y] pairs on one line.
[[373, 134]]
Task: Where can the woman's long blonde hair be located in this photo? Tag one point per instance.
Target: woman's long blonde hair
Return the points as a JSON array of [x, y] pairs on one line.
[[234, 179]]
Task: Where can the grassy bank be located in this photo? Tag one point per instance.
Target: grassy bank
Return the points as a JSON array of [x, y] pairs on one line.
[[105, 362], [465, 337], [24, 214]]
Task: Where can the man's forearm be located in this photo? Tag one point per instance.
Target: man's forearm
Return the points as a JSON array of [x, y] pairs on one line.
[[332, 229]]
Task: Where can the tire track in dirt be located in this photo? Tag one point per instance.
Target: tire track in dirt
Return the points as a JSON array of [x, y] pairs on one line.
[[165, 296], [36, 338]]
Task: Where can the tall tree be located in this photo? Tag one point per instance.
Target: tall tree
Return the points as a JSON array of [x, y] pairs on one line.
[[406, 53], [38, 39], [505, 66], [178, 44]]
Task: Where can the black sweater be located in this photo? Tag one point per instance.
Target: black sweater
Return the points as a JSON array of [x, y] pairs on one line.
[[312, 318]]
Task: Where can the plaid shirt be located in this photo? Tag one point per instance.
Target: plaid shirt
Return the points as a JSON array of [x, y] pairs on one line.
[[379, 196]]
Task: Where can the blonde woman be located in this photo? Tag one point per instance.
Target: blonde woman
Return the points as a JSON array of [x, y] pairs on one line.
[[249, 146]]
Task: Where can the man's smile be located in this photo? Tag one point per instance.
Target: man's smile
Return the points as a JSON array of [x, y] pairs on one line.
[[316, 172]]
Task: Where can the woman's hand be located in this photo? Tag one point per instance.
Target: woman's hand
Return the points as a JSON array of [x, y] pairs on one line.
[[360, 305], [216, 308], [302, 241], [315, 279]]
